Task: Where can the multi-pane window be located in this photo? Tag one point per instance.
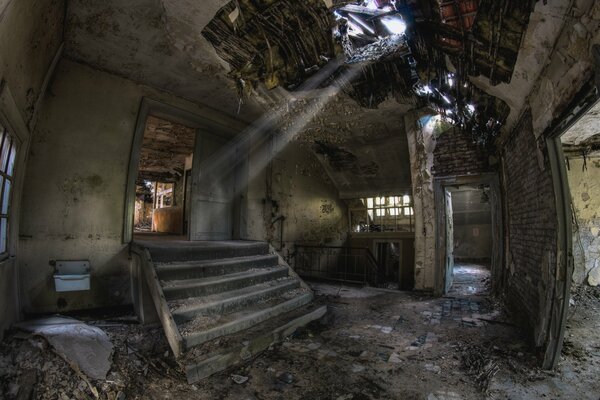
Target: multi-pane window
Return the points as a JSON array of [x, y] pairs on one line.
[[382, 214], [8, 153]]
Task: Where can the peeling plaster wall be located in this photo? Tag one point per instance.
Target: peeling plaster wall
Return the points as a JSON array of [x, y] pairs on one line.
[[531, 258], [74, 194], [421, 146], [585, 194], [295, 186], [30, 36]]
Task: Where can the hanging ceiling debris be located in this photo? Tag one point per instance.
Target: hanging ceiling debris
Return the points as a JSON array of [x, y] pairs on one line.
[[418, 52], [277, 43], [164, 150]]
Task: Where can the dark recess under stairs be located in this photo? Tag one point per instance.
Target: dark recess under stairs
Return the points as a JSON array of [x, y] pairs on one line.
[[221, 303]]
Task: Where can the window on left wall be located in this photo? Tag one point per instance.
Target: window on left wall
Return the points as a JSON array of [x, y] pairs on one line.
[[8, 153]]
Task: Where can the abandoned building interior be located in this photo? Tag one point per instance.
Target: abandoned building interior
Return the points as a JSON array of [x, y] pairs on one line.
[[318, 199]]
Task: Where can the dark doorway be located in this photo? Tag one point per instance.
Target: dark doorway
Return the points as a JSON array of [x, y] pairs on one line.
[[471, 239]]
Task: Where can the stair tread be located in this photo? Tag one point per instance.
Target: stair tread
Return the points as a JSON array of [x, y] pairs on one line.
[[181, 306], [209, 349], [203, 323], [167, 266], [171, 284]]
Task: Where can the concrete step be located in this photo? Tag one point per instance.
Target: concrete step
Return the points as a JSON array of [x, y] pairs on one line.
[[203, 287], [226, 352], [208, 268], [217, 326], [227, 302], [197, 251]]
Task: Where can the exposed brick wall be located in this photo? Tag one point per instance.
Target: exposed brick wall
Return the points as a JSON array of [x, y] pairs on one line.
[[456, 154], [530, 225]]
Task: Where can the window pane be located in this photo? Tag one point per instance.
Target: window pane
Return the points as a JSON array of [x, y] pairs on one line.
[[4, 154], [11, 160], [3, 234], [1, 191], [6, 197]]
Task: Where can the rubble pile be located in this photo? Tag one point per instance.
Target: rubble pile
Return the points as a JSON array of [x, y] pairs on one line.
[[30, 368]]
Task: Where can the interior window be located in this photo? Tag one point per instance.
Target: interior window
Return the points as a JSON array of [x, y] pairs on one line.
[[382, 214]]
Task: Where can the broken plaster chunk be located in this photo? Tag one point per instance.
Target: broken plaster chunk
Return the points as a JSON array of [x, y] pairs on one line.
[[594, 276], [313, 346], [357, 368], [394, 358], [239, 379], [386, 329], [433, 368]]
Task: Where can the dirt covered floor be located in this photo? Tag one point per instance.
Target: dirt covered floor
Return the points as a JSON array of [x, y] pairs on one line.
[[374, 344]]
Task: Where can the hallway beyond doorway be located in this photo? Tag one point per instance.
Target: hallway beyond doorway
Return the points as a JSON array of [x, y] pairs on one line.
[[470, 279]]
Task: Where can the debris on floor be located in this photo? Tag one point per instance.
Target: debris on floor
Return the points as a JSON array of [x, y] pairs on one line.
[[348, 356], [86, 348]]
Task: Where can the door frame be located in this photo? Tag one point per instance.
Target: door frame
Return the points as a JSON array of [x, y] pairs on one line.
[[587, 97], [202, 118], [439, 188]]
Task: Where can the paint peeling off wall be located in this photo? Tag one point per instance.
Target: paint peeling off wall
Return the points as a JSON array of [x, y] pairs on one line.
[[585, 193], [421, 147], [294, 194]]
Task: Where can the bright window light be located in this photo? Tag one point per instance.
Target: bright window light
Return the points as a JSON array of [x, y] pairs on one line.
[[406, 199], [408, 211], [379, 212]]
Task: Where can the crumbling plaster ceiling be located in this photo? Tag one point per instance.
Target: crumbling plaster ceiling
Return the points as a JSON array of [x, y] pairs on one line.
[[539, 41], [158, 43], [586, 127], [165, 147]]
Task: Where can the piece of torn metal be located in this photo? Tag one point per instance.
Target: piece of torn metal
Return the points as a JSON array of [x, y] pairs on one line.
[[87, 346]]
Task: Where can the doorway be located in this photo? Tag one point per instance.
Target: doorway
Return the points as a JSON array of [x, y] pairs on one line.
[[177, 185], [469, 244], [162, 180], [574, 154]]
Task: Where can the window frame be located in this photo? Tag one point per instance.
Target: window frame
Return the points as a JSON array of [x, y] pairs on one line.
[[378, 208], [7, 177], [12, 120]]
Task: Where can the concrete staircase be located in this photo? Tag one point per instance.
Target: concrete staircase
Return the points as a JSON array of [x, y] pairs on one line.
[[221, 303]]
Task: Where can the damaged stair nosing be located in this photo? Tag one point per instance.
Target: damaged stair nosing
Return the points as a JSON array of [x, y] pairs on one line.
[[233, 300], [207, 268], [176, 290], [189, 252], [196, 338], [229, 357]]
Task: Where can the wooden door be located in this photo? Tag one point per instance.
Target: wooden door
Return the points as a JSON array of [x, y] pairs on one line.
[[212, 190]]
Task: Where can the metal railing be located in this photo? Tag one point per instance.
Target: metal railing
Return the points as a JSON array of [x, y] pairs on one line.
[[337, 263]]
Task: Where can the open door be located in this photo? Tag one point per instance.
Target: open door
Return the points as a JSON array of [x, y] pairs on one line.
[[449, 241], [212, 192]]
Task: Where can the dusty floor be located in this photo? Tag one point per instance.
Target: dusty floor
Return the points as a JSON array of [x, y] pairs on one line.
[[376, 344]]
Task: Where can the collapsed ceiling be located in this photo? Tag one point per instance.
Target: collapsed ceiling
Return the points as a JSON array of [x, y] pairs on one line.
[[248, 55]]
